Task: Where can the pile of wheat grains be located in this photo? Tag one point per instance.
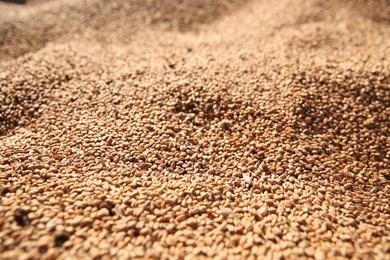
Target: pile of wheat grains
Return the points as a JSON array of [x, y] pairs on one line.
[[195, 129]]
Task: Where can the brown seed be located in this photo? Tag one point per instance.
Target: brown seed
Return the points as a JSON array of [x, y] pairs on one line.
[[106, 152], [263, 211]]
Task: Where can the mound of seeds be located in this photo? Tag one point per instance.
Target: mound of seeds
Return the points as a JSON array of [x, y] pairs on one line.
[[195, 129]]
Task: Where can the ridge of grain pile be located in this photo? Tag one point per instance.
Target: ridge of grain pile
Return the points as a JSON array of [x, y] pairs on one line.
[[194, 129]]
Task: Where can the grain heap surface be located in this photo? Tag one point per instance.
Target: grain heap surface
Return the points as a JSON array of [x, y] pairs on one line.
[[195, 129]]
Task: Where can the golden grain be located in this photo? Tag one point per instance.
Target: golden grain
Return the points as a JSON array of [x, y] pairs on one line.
[[203, 129]]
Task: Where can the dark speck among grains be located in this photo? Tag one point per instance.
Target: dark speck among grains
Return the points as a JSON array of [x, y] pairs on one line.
[[59, 240], [4, 190], [20, 217], [225, 126]]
